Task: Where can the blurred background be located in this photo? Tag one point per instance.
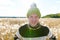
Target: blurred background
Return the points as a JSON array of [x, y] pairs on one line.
[[9, 26], [50, 16], [19, 8]]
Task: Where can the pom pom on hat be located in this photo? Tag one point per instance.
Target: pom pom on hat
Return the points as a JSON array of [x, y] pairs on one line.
[[33, 10]]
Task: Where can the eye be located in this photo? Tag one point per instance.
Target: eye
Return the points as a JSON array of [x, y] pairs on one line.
[[30, 16], [36, 16]]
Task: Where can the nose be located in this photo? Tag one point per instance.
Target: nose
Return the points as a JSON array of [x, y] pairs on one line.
[[34, 19]]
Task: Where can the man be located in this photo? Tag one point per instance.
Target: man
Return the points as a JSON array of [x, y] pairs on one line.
[[33, 30]]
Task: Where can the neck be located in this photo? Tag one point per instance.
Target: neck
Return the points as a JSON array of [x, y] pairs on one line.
[[34, 27], [33, 24]]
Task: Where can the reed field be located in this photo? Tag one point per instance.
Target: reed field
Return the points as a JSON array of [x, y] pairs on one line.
[[9, 26]]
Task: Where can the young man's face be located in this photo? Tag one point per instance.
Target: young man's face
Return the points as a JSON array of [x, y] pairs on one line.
[[33, 19]]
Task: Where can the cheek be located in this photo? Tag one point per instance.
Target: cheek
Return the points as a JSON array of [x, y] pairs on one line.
[[30, 20], [36, 19]]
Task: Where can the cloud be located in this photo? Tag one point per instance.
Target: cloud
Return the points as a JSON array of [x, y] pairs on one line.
[[7, 8], [58, 1], [20, 7]]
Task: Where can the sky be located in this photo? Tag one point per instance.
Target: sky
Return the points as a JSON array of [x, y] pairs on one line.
[[19, 8]]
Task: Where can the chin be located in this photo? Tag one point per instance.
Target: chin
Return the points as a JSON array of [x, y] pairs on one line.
[[34, 24]]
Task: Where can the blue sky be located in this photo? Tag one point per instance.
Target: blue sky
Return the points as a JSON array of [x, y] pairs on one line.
[[19, 8]]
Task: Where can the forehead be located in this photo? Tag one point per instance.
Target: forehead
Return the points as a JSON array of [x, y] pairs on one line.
[[34, 15]]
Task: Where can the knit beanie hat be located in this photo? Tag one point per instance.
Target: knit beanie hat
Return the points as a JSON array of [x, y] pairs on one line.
[[33, 10]]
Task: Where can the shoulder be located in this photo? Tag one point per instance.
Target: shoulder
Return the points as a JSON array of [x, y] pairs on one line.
[[45, 27], [23, 26]]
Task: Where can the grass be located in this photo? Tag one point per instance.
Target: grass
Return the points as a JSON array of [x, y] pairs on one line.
[[9, 26]]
